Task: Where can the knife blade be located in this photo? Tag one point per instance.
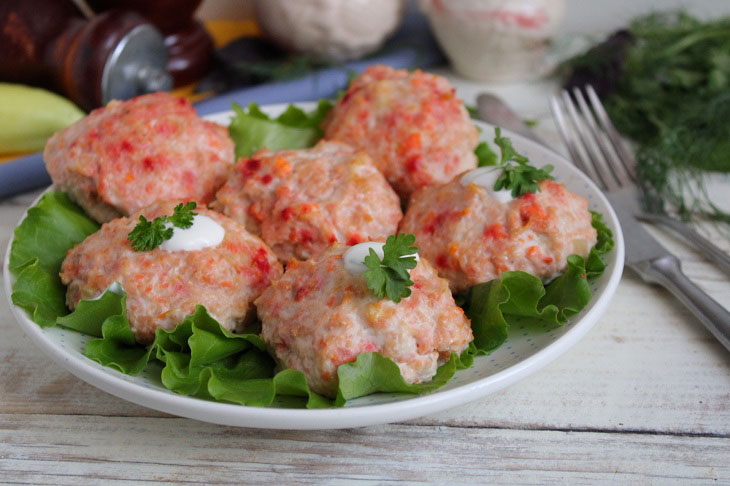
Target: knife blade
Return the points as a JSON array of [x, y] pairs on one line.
[[494, 110], [640, 245]]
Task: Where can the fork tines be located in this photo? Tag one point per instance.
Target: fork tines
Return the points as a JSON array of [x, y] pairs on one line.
[[593, 142]]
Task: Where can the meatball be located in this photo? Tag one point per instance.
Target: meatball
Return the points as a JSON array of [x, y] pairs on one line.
[[129, 154], [302, 201], [165, 286], [471, 237], [412, 125], [319, 316]]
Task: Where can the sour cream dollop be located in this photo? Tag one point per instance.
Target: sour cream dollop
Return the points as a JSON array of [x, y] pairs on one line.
[[354, 257], [204, 233], [486, 177], [115, 288]]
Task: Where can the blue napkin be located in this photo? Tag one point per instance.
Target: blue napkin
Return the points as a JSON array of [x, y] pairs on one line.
[[413, 46]]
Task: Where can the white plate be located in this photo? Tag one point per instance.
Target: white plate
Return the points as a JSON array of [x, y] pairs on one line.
[[522, 354]]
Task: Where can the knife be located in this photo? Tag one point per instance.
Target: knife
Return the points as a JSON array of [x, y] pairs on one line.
[[493, 110]]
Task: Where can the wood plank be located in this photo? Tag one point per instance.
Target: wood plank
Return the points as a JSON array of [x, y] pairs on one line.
[[651, 368], [85, 449]]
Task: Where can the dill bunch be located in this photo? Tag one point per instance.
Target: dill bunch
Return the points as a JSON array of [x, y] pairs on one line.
[[665, 82]]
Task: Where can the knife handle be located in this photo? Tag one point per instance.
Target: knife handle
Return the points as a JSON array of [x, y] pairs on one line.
[[667, 272], [709, 250]]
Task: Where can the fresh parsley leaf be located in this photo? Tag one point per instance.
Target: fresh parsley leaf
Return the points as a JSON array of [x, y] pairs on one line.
[[485, 155], [389, 276], [509, 154], [517, 174], [183, 215], [522, 179], [148, 235], [473, 112]]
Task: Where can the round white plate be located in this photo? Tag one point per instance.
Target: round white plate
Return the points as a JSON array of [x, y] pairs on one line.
[[522, 354]]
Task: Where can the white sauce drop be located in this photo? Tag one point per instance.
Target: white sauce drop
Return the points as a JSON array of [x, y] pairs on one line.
[[355, 256], [486, 177], [204, 233], [115, 288]]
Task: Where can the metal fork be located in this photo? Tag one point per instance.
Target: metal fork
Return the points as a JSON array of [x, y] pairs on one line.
[[597, 149]]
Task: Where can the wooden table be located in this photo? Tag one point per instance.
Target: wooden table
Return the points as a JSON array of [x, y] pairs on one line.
[[644, 398]]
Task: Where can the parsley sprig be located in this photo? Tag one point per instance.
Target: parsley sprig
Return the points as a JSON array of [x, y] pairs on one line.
[[148, 235], [390, 276], [517, 174]]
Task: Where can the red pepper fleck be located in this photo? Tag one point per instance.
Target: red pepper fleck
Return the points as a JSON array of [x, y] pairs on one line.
[[126, 146], [531, 210], [495, 231], [547, 260], [286, 214], [437, 222], [148, 163], [306, 236], [301, 293], [354, 240], [442, 261], [250, 167], [413, 164], [261, 261], [266, 179]]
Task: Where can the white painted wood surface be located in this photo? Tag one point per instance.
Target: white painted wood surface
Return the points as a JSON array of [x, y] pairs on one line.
[[644, 398]]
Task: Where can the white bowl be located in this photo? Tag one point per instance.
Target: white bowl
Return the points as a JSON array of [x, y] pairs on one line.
[[522, 354], [495, 40]]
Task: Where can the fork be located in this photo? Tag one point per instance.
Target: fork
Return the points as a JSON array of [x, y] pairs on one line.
[[596, 148]]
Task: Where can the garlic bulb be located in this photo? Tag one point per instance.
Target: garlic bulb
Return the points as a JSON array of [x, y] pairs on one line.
[[340, 30]]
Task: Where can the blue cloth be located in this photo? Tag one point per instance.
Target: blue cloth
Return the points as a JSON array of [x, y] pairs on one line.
[[413, 46]]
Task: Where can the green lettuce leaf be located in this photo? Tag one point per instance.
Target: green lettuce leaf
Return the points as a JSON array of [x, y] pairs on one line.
[[50, 229], [518, 297], [252, 130], [373, 372], [204, 360], [38, 292]]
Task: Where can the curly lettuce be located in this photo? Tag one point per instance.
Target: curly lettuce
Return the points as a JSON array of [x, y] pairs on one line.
[[252, 129], [53, 226], [520, 297]]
